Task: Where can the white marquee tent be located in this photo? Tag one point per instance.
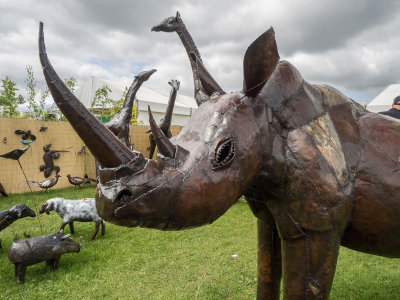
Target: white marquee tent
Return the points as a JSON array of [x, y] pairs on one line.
[[384, 100], [183, 109]]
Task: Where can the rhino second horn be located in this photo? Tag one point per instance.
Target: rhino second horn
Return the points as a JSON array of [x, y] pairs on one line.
[[164, 145]]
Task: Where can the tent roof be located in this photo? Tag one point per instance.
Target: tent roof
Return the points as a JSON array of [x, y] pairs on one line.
[[146, 96], [384, 99]]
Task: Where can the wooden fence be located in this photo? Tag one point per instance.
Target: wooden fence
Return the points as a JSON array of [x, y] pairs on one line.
[[61, 136]]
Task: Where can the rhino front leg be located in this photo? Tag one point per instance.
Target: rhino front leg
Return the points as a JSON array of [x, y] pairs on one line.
[[269, 262], [309, 264], [269, 265]]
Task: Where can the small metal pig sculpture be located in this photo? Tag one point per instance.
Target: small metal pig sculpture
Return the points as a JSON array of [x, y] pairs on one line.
[[48, 248], [18, 211], [75, 210]]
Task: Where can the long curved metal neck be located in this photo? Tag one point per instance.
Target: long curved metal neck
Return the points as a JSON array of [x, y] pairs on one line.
[[191, 49], [166, 123], [187, 40]]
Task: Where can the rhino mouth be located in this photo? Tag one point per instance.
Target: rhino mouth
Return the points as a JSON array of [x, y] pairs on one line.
[[224, 152]]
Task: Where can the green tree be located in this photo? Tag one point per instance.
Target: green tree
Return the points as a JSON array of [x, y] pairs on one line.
[[9, 98], [21, 99], [70, 83], [102, 100], [37, 111]]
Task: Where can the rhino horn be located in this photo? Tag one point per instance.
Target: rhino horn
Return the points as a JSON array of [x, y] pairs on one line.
[[103, 144]]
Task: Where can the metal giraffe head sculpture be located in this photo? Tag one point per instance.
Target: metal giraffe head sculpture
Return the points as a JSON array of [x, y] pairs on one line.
[[204, 83], [317, 169]]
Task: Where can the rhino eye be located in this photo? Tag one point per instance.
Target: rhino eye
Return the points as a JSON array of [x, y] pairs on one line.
[[224, 152]]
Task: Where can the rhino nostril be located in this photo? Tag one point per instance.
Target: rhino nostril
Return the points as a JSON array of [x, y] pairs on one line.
[[123, 197]]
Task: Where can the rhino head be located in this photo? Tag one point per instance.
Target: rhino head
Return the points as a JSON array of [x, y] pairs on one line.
[[201, 172]]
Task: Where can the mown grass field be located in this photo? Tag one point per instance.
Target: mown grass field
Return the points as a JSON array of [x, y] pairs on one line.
[[141, 263]]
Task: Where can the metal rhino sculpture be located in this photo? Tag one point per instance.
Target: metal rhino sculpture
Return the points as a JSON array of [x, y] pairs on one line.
[[317, 169]]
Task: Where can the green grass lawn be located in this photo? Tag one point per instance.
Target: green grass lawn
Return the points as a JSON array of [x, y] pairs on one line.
[[141, 263]]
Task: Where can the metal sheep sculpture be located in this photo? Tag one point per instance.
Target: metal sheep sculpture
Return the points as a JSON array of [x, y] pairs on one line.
[[317, 169]]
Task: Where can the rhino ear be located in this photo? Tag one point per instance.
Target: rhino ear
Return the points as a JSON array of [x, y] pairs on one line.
[[259, 62]]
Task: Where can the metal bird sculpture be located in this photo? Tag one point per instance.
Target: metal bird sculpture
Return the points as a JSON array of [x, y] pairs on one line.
[[77, 181], [15, 154], [25, 135], [48, 157], [165, 123], [49, 183]]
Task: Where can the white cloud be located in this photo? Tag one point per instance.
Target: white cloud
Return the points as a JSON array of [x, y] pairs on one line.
[[350, 45]]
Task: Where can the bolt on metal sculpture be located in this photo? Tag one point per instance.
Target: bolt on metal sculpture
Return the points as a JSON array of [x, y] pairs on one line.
[[317, 169], [165, 123], [26, 135], [48, 157]]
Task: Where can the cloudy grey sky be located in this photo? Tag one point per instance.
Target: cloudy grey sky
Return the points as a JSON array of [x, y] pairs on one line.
[[351, 45]]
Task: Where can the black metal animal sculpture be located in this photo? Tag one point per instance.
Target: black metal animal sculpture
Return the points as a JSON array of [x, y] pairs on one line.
[[317, 169], [48, 157], [77, 181], [48, 248], [42, 129], [18, 211], [83, 210], [165, 123], [119, 124], [25, 135], [3, 191], [46, 184], [15, 154]]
